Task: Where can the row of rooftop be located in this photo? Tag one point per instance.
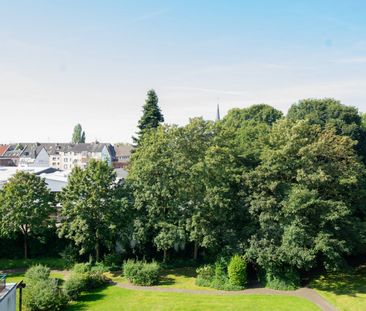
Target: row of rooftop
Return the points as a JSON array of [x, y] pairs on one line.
[[63, 156]]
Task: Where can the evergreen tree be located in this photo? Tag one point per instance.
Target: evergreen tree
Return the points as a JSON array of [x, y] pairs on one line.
[[151, 117], [78, 135]]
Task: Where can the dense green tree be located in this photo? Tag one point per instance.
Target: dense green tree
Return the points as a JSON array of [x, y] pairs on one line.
[[26, 205], [330, 112], [260, 113], [151, 117], [303, 198], [90, 207], [78, 136], [155, 182]]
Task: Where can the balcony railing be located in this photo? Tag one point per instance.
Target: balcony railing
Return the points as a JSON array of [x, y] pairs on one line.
[[2, 282]]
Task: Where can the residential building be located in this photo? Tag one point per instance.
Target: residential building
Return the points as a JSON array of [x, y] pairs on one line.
[[122, 155], [12, 155], [34, 155]]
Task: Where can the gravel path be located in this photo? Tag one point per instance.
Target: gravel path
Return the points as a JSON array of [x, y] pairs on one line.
[[304, 292]]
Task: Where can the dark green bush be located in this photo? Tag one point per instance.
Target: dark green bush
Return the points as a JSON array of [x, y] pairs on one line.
[[215, 276], [42, 292], [69, 255], [113, 261], [237, 271], [282, 279], [141, 272]]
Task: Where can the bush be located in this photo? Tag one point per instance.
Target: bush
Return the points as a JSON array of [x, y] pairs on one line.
[[38, 272], [141, 272], [237, 271], [113, 261], [215, 276], [42, 292], [75, 285], [69, 255], [282, 279], [84, 277]]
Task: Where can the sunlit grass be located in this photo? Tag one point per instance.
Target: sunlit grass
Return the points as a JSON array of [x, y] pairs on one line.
[[346, 291]]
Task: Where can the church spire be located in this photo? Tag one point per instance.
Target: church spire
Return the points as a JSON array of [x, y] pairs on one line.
[[218, 113]]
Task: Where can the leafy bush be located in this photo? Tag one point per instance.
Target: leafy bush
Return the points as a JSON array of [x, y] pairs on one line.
[[42, 292], [112, 261], [205, 275], [237, 271], [283, 279], [215, 276], [69, 255], [38, 272], [75, 285], [141, 272], [82, 267]]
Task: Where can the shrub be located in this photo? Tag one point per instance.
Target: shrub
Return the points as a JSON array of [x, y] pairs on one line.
[[237, 271], [141, 272], [42, 292], [84, 277], [283, 279], [38, 272], [75, 285], [205, 275], [113, 261], [69, 255]]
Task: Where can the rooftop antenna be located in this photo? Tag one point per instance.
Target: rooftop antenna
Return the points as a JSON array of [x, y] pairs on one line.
[[218, 110]]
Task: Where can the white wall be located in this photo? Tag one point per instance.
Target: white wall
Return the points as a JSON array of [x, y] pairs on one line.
[[8, 298]]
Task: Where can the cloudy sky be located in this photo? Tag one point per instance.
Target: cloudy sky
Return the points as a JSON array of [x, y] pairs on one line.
[[92, 62]]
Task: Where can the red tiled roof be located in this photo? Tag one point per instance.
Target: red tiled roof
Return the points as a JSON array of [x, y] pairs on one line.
[[3, 148]]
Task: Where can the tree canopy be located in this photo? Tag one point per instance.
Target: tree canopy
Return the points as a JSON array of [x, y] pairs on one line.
[[78, 136], [151, 115], [90, 209], [26, 205]]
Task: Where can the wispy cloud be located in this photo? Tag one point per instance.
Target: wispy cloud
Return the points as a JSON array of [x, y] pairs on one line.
[[351, 60], [214, 91], [149, 15]]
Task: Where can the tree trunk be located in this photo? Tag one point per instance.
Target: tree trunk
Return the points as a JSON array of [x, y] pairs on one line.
[[25, 246], [195, 252], [165, 255], [97, 251]]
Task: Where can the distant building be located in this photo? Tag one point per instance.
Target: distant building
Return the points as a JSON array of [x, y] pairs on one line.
[[34, 155], [12, 155], [122, 155]]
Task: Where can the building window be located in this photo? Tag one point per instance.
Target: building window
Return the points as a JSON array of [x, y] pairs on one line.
[[65, 166], [65, 159]]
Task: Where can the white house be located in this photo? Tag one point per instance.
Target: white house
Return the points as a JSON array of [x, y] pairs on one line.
[[34, 155]]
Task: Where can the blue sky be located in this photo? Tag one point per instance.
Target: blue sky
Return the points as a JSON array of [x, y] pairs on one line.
[[64, 62]]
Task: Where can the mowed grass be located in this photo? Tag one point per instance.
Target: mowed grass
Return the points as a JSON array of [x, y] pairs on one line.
[[346, 291], [184, 278], [113, 298]]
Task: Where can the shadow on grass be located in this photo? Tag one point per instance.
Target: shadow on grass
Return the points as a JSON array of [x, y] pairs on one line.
[[84, 300], [185, 272], [349, 283]]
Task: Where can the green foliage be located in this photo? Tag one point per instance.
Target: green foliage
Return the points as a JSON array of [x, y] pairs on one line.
[[78, 136], [282, 279], [237, 271], [38, 272], [42, 292], [84, 277], [92, 208], [205, 275], [151, 117], [69, 255], [113, 261], [141, 272], [74, 286], [304, 196], [25, 206]]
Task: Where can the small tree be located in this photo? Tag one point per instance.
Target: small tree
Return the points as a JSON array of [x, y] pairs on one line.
[[78, 135], [25, 206], [90, 207], [151, 117]]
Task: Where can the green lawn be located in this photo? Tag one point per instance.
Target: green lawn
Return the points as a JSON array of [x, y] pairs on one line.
[[346, 291], [113, 298], [184, 278]]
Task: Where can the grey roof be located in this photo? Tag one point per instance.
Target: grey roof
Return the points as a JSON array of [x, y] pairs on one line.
[[31, 150], [123, 150], [14, 151]]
